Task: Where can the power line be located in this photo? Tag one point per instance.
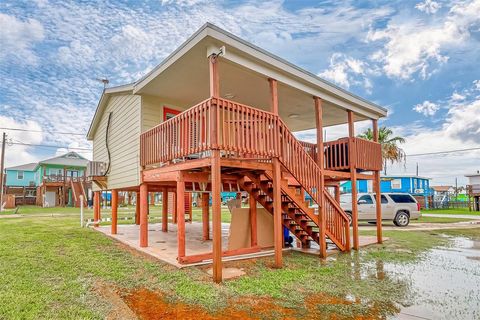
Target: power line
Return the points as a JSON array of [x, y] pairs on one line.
[[46, 131], [442, 152], [49, 146]]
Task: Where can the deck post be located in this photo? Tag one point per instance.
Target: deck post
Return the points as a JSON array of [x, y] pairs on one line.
[[337, 193], [277, 189], [137, 208], [165, 210], [152, 198], [96, 207], [181, 218], [253, 221], [216, 177], [216, 217], [353, 177], [206, 216], [174, 212], [377, 189], [114, 211], [143, 215], [320, 159]]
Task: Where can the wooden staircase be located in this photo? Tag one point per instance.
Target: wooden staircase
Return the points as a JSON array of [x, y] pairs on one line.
[[77, 190], [297, 216]]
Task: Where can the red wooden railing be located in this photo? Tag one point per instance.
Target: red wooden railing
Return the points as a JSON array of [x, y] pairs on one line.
[[336, 153], [239, 130]]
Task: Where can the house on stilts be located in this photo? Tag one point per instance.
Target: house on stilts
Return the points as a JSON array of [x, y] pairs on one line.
[[221, 112]]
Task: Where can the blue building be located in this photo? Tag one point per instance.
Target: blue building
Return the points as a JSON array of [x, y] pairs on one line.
[[414, 185], [21, 176]]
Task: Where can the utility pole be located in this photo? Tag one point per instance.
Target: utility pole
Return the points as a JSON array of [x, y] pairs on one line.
[[417, 169], [2, 169]]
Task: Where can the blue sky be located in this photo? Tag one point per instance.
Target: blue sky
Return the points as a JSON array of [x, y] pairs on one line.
[[419, 59]]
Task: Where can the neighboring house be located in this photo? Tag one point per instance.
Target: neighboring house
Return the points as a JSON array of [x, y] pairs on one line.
[[21, 176], [417, 186], [219, 114], [20, 182], [61, 180], [473, 190]]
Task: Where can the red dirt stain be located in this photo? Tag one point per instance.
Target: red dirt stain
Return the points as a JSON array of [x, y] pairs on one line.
[[151, 305]]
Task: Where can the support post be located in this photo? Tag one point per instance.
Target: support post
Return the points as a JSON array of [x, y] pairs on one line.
[[253, 221], [206, 216], [353, 177], [277, 213], [165, 210], [181, 218], [96, 208], [137, 208], [216, 216], [174, 212], [320, 160], [377, 189], [2, 169], [143, 215], [277, 191], [81, 211], [114, 211]]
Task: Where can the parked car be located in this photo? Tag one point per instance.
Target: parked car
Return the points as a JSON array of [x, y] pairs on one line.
[[397, 207]]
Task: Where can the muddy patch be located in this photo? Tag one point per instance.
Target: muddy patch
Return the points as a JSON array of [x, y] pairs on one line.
[[119, 309]]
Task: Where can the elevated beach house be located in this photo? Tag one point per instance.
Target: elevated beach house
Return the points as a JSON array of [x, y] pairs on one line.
[[218, 114], [61, 180]]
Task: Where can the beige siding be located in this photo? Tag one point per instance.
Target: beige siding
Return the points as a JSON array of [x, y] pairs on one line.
[[152, 111], [124, 141]]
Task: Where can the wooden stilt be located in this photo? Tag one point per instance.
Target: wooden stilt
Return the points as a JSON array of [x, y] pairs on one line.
[[137, 209], [165, 210], [174, 213], [152, 198], [320, 159], [143, 215], [114, 211], [96, 207], [216, 217], [181, 218], [206, 216], [277, 213], [377, 189], [353, 178], [253, 221]]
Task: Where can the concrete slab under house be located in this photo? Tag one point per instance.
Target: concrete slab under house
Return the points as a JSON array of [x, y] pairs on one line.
[[216, 115]]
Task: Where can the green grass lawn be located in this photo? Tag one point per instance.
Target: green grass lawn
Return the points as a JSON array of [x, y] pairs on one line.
[[52, 268], [446, 219], [462, 211]]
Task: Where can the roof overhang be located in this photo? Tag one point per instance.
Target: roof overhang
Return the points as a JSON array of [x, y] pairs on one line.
[[242, 61]]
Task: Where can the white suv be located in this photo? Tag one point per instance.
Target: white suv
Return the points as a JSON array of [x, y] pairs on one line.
[[397, 207]]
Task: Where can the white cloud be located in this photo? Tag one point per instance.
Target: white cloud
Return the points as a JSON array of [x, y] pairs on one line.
[[416, 46], [457, 97], [18, 37], [15, 152], [426, 108], [346, 71], [476, 84], [428, 6]]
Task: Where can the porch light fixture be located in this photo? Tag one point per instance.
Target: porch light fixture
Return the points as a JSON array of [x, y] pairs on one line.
[[294, 116], [229, 95]]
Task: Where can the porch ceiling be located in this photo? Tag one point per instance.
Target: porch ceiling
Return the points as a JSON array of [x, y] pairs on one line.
[[185, 82]]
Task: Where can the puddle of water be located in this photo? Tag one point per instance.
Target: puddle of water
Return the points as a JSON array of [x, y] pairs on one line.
[[445, 284]]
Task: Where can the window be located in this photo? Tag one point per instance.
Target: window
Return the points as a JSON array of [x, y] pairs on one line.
[[365, 199], [384, 199], [396, 184], [19, 175], [402, 198]]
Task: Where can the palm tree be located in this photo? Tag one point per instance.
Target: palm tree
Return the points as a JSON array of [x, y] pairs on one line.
[[390, 149]]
